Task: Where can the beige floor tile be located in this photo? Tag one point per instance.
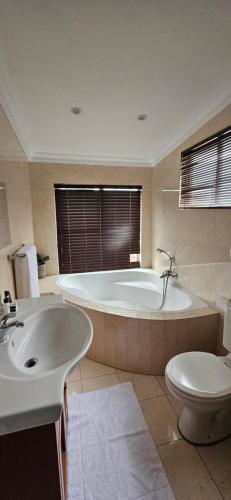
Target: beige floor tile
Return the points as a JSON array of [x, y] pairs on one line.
[[161, 380], [74, 374], [161, 419], [145, 386], [187, 474], [90, 369], [74, 387], [92, 384], [217, 459], [175, 404]]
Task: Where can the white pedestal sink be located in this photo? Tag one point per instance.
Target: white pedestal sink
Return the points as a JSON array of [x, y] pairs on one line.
[[36, 359]]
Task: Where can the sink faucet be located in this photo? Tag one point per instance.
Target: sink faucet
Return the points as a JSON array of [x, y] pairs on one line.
[[4, 326], [169, 271]]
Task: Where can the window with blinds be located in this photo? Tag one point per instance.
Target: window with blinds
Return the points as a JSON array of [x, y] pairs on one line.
[[205, 173], [98, 227]]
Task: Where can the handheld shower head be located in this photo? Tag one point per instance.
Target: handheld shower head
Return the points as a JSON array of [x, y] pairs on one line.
[[160, 250]]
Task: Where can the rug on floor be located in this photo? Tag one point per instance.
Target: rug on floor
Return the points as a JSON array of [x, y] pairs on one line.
[[111, 454]]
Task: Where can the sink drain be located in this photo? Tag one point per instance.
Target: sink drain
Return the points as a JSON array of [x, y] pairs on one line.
[[31, 362]]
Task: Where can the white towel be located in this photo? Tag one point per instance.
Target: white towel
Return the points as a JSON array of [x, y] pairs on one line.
[[111, 454], [26, 273]]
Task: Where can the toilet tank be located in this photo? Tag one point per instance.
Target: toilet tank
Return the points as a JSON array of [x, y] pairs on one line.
[[227, 327]]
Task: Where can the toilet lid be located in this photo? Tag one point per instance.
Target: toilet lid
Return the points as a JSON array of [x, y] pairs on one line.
[[200, 374]]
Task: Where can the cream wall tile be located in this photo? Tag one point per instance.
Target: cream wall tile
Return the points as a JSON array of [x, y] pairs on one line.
[[221, 279], [186, 472], [161, 419], [198, 238]]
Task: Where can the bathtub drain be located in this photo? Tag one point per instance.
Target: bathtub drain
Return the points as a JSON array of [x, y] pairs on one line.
[[31, 362]]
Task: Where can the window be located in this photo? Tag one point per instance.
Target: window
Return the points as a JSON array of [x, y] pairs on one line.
[[205, 174], [98, 227]]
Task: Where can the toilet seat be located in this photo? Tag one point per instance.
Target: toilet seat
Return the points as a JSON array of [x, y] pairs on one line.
[[200, 374]]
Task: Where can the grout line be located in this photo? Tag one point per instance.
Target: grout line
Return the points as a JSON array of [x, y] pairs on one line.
[[165, 393], [97, 376], [166, 443], [155, 397], [151, 397], [173, 407], [166, 472], [73, 380], [205, 465]]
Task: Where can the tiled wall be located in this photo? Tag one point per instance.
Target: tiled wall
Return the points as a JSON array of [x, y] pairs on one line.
[[44, 176], [14, 172], [199, 239]]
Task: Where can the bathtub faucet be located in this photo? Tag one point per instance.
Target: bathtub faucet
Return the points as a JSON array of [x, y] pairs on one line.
[[166, 275], [169, 271]]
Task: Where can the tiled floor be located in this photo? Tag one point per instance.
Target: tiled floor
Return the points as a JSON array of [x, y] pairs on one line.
[[195, 473]]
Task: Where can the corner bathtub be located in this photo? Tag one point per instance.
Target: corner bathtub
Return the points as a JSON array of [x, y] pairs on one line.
[[133, 290], [130, 332]]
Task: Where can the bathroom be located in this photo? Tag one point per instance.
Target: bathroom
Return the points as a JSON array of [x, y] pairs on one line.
[[115, 381]]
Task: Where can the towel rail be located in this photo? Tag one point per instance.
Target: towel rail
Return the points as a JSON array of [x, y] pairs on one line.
[[13, 257]]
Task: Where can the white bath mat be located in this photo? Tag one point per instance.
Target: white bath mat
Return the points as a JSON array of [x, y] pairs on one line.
[[111, 455]]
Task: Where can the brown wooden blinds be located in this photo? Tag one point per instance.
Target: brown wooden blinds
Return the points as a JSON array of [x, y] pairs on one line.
[[98, 227], [205, 174]]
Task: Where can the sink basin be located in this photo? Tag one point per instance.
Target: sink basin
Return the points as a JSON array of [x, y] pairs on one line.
[[50, 338], [36, 359]]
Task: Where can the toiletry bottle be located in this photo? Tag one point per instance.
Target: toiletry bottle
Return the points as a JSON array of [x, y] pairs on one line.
[[8, 306]]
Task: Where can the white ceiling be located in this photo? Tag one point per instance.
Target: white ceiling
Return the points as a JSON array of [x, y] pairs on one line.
[[114, 59]]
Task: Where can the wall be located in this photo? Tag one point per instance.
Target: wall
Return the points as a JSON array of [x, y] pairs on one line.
[[14, 172], [200, 239], [44, 176]]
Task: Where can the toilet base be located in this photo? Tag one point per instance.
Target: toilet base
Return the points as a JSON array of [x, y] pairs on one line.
[[202, 444], [204, 428]]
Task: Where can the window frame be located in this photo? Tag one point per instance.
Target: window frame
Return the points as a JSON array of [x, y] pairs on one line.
[[103, 233], [215, 139]]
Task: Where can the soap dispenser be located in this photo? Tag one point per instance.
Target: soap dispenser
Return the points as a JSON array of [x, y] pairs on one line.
[[9, 306]]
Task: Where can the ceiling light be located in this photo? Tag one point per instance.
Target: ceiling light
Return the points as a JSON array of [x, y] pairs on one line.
[[142, 117], [76, 111]]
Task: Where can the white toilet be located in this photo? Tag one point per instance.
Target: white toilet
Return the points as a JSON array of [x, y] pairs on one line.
[[201, 382]]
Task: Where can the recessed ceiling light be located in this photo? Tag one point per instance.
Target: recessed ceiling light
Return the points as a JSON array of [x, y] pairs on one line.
[[142, 117], [76, 111]]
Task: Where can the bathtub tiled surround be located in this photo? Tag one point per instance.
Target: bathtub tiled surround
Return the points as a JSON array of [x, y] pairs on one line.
[[195, 473], [143, 342], [200, 239], [145, 346]]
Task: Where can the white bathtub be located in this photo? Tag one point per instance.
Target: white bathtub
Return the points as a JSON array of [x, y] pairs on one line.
[[133, 289]]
